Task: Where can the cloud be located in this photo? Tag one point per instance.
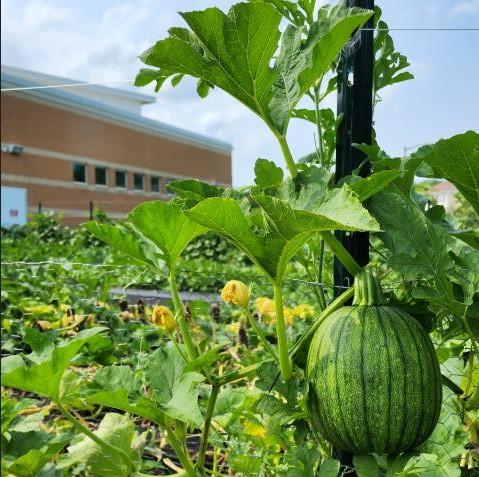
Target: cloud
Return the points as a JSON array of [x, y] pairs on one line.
[[470, 6]]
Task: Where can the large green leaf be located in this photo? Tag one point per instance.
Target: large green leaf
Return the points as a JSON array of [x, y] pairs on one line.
[[371, 185], [420, 251], [176, 390], [117, 430], [329, 468], [418, 246], [366, 466], [341, 211], [457, 160], [117, 387], [43, 376], [302, 61], [285, 230], [25, 453], [234, 51], [127, 241], [301, 462], [267, 173], [225, 217], [166, 226], [194, 190]]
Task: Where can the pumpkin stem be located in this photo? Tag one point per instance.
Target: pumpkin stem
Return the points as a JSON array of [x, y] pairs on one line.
[[367, 290]]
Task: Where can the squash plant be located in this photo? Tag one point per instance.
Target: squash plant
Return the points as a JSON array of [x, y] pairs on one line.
[[429, 268]]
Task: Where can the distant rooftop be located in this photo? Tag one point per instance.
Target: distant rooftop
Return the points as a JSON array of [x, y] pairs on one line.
[[111, 104], [122, 98]]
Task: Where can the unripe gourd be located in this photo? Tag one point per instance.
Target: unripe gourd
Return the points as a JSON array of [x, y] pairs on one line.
[[374, 379]]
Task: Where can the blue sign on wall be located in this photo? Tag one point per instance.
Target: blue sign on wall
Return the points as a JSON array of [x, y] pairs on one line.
[[14, 206]]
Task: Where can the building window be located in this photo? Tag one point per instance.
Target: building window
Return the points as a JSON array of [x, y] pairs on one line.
[[138, 181], [155, 184], [120, 179], [101, 176], [79, 172]]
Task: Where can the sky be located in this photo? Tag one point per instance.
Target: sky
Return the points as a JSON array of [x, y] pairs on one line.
[[99, 40]]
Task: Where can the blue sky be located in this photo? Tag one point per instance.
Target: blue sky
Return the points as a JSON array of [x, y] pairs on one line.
[[98, 40]]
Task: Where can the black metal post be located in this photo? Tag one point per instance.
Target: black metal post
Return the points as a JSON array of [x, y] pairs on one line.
[[355, 102], [91, 210], [40, 208]]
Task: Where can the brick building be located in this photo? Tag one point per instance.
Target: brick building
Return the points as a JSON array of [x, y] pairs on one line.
[[72, 146]]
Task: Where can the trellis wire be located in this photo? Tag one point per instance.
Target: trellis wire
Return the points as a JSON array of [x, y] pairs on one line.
[[253, 277], [98, 83]]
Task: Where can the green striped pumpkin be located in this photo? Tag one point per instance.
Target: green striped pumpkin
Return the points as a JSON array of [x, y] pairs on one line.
[[375, 384]]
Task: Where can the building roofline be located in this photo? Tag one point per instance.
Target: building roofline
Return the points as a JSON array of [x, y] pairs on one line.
[[106, 112], [46, 79]]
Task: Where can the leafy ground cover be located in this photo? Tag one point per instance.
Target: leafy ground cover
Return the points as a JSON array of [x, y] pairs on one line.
[[95, 386]]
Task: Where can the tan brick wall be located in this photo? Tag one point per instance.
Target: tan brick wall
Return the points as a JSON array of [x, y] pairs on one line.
[[51, 129]]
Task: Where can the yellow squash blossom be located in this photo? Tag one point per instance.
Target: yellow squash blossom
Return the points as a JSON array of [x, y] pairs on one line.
[[254, 429], [288, 315], [235, 292], [303, 311], [163, 317], [39, 309], [233, 328], [266, 308]]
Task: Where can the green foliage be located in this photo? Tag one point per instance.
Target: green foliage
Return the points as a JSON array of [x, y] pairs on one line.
[[457, 160], [41, 371], [389, 63], [267, 174], [286, 229], [233, 51], [175, 388], [117, 430], [279, 58], [329, 468]]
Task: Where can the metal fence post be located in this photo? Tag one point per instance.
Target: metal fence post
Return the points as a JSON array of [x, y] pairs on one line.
[[355, 102], [91, 209]]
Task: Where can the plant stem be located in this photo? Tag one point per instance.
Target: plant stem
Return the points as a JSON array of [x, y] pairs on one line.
[[215, 463], [97, 440], [240, 373], [320, 272], [177, 446], [469, 331], [458, 391], [284, 359], [200, 463], [318, 120], [341, 253], [288, 157], [260, 333], [180, 313], [177, 346], [470, 373], [332, 307]]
